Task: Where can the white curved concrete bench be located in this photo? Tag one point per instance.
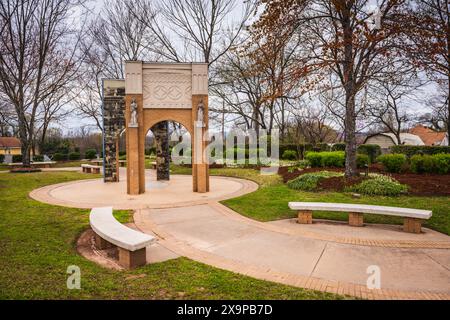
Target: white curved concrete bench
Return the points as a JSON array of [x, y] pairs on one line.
[[87, 168], [413, 218], [131, 243]]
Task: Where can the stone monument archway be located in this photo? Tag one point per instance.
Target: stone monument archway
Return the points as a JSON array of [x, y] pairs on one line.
[[158, 92]]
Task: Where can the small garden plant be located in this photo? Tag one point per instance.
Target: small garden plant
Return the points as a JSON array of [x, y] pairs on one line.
[[379, 185], [309, 181]]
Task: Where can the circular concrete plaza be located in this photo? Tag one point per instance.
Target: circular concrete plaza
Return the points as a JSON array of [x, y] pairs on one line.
[[177, 192]]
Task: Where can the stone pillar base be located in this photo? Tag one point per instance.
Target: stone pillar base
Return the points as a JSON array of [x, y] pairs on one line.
[[412, 225], [305, 217], [202, 177], [356, 219], [132, 259], [101, 243]]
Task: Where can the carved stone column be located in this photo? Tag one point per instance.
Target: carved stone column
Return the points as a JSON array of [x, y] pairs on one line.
[[135, 128], [161, 132]]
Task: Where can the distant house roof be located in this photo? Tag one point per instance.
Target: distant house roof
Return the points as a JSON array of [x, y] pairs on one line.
[[429, 136], [9, 142], [405, 138]]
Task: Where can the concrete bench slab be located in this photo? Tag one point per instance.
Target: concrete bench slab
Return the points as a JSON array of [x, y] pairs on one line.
[[131, 243], [88, 168], [45, 164], [413, 218]]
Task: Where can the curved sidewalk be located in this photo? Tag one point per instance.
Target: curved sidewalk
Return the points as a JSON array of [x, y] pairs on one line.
[[325, 256], [215, 235]]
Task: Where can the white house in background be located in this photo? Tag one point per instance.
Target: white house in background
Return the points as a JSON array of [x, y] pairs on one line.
[[387, 140]]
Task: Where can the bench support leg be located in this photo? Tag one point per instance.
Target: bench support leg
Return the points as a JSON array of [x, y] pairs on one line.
[[305, 217], [132, 259], [412, 225], [101, 243], [356, 219]]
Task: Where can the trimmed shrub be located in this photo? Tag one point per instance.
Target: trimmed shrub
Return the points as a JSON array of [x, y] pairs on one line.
[[314, 158], [2, 158], [379, 185], [17, 158], [437, 163], [422, 164], [442, 163], [309, 181], [333, 159], [338, 147], [410, 151], [59, 157], [74, 156], [289, 155], [326, 159], [372, 150], [301, 149], [393, 162], [90, 154], [38, 158], [362, 160]]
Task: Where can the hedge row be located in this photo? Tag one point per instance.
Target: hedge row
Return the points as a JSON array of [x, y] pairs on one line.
[[437, 163], [410, 151], [301, 149], [333, 159], [393, 163]]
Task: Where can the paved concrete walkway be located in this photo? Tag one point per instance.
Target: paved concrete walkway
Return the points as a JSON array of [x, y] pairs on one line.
[[326, 256], [215, 235]]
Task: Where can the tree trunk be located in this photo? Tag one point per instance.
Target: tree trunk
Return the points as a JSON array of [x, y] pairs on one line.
[[25, 142], [349, 86], [448, 111], [350, 139], [161, 132]]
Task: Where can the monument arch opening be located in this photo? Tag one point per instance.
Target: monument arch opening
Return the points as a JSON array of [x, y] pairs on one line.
[[153, 94]]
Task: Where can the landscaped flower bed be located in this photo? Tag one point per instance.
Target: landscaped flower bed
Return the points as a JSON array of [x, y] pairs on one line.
[[418, 184]]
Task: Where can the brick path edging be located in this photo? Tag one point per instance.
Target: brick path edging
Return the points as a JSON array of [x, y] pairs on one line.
[[313, 283]]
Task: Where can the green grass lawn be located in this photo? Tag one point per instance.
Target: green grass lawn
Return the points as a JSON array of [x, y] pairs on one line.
[[270, 202], [69, 164], [37, 245]]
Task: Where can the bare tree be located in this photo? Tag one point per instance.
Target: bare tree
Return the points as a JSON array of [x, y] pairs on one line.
[[115, 37], [389, 98], [338, 36], [313, 125], [38, 58], [202, 29], [429, 45], [7, 120]]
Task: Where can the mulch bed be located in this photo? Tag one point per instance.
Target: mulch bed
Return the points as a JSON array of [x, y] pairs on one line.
[[339, 183], [288, 176], [425, 184], [418, 184]]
